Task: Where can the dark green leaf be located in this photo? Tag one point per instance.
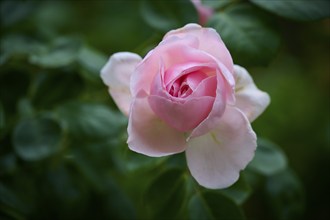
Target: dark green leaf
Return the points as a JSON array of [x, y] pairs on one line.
[[285, 195], [14, 11], [52, 88], [2, 118], [10, 204], [8, 163], [92, 61], [18, 46], [165, 196], [62, 52], [217, 4], [238, 192], [165, 15], [212, 205], [37, 138], [14, 84], [301, 10], [90, 121], [268, 158], [247, 33]]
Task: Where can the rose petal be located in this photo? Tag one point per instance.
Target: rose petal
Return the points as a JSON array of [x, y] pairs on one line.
[[116, 74], [249, 99], [149, 135], [175, 51], [216, 158], [182, 116], [209, 41], [217, 110]]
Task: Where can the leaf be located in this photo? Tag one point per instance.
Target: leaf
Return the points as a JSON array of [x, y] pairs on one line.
[[86, 121], [18, 46], [37, 138], [11, 205], [247, 33], [92, 61], [62, 52], [165, 196], [213, 205], [166, 15], [269, 158], [52, 88], [301, 10], [2, 119], [238, 192], [8, 163], [285, 195], [15, 11]]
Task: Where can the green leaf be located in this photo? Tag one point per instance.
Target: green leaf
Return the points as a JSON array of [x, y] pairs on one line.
[[247, 33], [239, 192], [301, 10], [92, 61], [51, 88], [37, 138], [62, 52], [15, 11], [10, 204], [90, 121], [165, 196], [166, 15], [285, 195], [212, 205], [269, 158], [18, 46], [2, 119]]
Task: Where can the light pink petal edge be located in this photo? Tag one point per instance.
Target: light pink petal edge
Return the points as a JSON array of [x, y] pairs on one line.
[[116, 74], [216, 158], [149, 135], [249, 99]]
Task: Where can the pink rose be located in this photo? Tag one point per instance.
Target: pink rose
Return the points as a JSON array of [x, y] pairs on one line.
[[186, 95]]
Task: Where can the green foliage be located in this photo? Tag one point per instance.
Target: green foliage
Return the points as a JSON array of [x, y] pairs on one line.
[[285, 195], [166, 195], [166, 15], [63, 151], [269, 158], [301, 10], [37, 138], [248, 34], [212, 205]]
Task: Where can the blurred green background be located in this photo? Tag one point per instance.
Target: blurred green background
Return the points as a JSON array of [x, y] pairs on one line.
[[62, 140]]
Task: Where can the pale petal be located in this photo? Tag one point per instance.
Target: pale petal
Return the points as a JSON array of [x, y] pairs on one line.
[[216, 158], [218, 108], [116, 75], [209, 41], [182, 116], [149, 135], [249, 99], [168, 54]]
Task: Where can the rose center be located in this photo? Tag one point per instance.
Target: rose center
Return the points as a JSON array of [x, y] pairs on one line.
[[180, 88]]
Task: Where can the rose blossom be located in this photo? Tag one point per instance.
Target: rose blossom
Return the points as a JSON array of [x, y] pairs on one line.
[[186, 95]]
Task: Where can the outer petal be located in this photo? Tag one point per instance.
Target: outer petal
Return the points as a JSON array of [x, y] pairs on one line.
[[149, 135], [116, 74], [182, 116], [217, 110], [209, 41], [249, 99], [216, 158], [173, 51]]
